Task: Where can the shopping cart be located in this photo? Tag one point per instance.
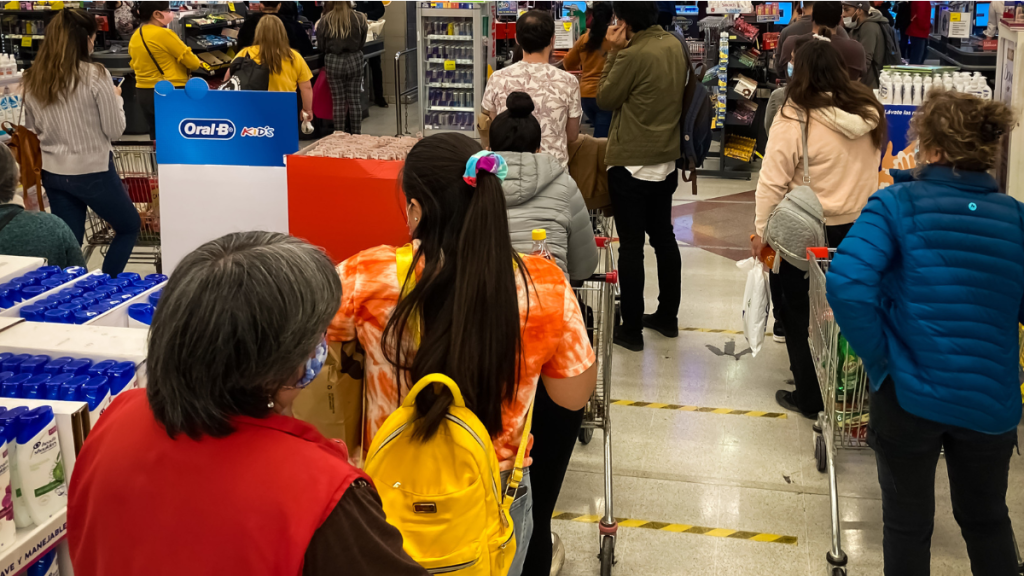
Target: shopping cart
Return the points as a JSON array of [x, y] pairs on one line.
[[597, 298], [135, 163]]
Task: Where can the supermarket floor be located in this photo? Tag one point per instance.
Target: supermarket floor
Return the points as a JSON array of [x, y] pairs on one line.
[[737, 476]]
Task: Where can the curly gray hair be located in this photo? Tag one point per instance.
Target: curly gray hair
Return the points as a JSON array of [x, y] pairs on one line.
[[10, 175]]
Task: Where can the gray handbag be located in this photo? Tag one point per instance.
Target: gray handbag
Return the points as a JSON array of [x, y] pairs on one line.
[[798, 222]]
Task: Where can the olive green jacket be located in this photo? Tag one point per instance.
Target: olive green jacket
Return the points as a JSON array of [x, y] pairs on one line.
[[643, 84]]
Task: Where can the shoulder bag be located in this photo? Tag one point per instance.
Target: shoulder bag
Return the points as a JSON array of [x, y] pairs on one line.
[[24, 144]]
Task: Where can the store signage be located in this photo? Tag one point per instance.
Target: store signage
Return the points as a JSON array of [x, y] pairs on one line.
[[207, 129], [264, 132]]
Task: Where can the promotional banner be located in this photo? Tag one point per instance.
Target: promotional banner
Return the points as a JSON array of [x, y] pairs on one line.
[[221, 162], [898, 152]]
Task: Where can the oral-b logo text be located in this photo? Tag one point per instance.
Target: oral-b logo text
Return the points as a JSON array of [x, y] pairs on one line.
[[258, 132], [203, 129]]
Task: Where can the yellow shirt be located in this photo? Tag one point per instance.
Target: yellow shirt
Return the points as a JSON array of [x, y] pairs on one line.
[[293, 72], [174, 57]]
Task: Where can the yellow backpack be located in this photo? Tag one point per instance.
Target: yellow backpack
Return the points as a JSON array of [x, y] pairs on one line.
[[444, 494]]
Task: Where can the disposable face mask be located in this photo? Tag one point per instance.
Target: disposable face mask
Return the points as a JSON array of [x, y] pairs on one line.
[[848, 21], [789, 69], [314, 365]]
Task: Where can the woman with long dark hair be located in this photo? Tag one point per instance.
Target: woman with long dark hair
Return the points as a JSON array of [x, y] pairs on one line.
[[494, 321], [845, 127], [71, 103], [157, 54], [588, 55]]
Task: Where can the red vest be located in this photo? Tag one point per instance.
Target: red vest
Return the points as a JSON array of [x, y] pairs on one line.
[[142, 503]]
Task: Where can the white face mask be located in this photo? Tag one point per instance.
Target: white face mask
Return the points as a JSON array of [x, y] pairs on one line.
[[848, 21]]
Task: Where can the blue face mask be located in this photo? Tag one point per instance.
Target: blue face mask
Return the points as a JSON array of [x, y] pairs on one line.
[[314, 365], [789, 69]]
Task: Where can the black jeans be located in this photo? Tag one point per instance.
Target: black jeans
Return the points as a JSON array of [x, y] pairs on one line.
[[645, 208], [795, 289], [906, 451], [144, 96], [555, 431]]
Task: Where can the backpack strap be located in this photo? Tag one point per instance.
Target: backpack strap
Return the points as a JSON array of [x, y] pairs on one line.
[[407, 280], [457, 399], [516, 477], [803, 136], [10, 216]]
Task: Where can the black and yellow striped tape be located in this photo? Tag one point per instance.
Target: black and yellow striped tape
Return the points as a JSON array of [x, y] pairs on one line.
[[682, 408], [680, 528]]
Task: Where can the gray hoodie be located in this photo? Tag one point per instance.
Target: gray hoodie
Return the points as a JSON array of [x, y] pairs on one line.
[[541, 194], [871, 34]]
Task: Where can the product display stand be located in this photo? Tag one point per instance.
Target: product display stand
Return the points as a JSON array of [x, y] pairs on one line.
[[1010, 90]]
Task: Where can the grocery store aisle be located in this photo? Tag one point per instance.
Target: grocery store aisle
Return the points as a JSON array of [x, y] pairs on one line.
[[731, 491]]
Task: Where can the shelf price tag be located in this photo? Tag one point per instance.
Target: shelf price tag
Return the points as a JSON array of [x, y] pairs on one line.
[[449, 64], [231, 6], [26, 40]]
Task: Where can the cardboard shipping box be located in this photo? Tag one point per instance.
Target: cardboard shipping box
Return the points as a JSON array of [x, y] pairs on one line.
[[334, 401]]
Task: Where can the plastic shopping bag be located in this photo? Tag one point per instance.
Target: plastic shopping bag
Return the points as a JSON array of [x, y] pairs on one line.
[[757, 302]]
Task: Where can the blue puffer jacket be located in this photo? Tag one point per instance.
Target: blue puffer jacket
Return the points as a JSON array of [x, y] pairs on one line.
[[928, 287]]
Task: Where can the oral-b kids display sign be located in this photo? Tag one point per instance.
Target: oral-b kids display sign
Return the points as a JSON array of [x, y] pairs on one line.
[[200, 126], [221, 160]]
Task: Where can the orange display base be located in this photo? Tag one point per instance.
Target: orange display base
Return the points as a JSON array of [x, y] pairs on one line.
[[344, 205]]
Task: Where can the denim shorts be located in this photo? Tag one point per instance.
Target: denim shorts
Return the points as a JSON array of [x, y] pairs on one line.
[[522, 520]]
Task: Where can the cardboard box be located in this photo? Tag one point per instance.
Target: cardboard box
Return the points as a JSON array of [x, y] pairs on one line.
[[14, 266], [118, 317]]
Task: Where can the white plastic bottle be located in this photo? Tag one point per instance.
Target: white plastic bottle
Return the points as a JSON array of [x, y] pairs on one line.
[[7, 527], [885, 88], [40, 465], [11, 422], [900, 89], [926, 87], [540, 244], [984, 89], [918, 91]]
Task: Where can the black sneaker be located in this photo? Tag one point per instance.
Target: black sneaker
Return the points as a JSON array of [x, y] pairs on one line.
[[779, 333], [785, 399], [665, 328], [382, 103], [629, 341]]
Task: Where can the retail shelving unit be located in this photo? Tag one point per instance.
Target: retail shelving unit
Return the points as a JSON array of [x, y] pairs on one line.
[[202, 30], [32, 543], [455, 48]]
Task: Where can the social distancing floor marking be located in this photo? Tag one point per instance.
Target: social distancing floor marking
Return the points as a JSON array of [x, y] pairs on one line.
[[680, 528], [706, 409]]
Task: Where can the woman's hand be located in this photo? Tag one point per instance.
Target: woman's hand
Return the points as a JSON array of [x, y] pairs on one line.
[[117, 90], [756, 246], [616, 37]]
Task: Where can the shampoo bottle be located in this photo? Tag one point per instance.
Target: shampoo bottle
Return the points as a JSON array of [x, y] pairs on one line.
[[10, 421], [45, 566], [7, 527], [96, 394], [122, 374], [39, 463]]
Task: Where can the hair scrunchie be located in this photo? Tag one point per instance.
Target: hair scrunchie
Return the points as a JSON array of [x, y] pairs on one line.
[[820, 37], [486, 161]]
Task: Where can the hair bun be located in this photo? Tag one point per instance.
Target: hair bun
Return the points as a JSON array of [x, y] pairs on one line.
[[519, 104]]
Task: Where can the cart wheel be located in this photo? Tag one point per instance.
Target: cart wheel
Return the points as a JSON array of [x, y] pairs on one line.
[[586, 435], [838, 571], [607, 555], [819, 452]]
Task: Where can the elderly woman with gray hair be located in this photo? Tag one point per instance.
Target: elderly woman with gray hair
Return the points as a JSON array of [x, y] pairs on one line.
[[208, 452], [27, 233]]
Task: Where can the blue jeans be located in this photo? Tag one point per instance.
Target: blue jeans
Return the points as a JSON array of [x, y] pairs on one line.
[[522, 520], [918, 50], [105, 194], [601, 119]]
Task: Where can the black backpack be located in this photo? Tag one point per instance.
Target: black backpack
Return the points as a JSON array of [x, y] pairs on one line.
[[246, 74], [892, 48], [695, 120]]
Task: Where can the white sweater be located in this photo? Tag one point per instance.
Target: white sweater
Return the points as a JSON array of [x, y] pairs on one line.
[[75, 132]]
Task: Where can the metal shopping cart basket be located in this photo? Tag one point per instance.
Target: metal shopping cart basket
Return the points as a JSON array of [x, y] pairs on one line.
[[844, 391], [597, 298], [135, 163]]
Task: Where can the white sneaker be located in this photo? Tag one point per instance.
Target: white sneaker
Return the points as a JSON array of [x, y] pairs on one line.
[[557, 554], [778, 338]]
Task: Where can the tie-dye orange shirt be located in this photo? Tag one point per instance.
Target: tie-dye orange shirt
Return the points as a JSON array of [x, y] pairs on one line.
[[555, 341]]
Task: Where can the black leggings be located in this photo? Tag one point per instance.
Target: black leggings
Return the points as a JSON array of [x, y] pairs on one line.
[[555, 431], [144, 96]]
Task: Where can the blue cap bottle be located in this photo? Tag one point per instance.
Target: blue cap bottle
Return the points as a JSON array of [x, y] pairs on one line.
[[44, 565], [75, 271], [24, 281], [52, 283], [113, 302], [49, 270], [11, 387], [158, 278], [59, 298], [78, 367], [100, 368], [32, 313], [94, 392], [73, 292], [5, 375], [51, 389], [33, 422], [70, 389], [154, 298], [107, 290], [100, 308], [34, 365], [141, 313], [5, 356], [38, 275], [145, 284], [69, 307], [84, 316], [120, 375], [83, 302], [133, 291], [30, 292], [92, 295], [9, 296], [11, 364], [56, 366], [130, 276], [89, 283], [33, 387], [10, 421], [58, 317], [119, 282]]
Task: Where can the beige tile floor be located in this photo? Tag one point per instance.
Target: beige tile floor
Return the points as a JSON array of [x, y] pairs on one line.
[[728, 471]]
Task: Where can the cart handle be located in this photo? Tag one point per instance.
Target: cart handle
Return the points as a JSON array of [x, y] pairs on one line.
[[603, 242], [608, 277], [821, 253]]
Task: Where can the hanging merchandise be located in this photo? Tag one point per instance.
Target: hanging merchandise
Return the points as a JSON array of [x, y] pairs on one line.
[[723, 77]]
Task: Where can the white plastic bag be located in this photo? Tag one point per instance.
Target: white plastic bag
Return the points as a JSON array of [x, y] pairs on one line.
[[757, 302]]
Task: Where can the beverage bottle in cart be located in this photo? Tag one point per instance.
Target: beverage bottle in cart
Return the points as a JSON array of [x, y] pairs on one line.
[[766, 256], [540, 245]]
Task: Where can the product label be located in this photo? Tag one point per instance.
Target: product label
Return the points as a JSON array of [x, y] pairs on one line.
[[54, 480], [26, 41], [449, 64], [206, 129]]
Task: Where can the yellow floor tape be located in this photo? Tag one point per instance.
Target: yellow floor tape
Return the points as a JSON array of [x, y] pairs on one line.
[[682, 408], [680, 528]]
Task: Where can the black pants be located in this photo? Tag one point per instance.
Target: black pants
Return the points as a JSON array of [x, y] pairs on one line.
[[778, 302], [645, 208], [796, 296], [378, 79], [907, 450], [555, 431], [144, 96]]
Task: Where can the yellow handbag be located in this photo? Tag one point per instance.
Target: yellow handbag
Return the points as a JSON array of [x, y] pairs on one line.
[[444, 494]]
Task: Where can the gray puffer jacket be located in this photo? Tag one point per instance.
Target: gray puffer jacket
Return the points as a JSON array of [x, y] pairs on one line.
[[541, 194]]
